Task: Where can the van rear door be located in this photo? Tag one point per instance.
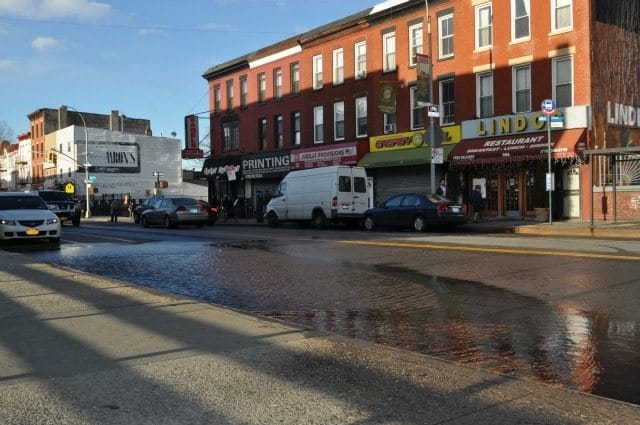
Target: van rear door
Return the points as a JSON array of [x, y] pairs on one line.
[[352, 191]]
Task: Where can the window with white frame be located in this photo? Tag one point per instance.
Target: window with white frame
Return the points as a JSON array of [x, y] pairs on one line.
[[296, 131], [445, 36], [338, 120], [415, 42], [295, 78], [317, 72], [561, 14], [338, 66], [360, 55], [361, 116], [262, 88], [217, 98], [229, 95], [277, 83], [484, 90], [520, 10], [390, 121], [278, 131], [417, 110], [483, 25], [389, 51], [230, 136], [262, 133], [563, 81], [244, 91], [521, 88], [447, 102], [318, 124]]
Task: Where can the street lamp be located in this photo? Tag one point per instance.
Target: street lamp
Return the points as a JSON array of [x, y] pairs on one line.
[[87, 182], [432, 129]]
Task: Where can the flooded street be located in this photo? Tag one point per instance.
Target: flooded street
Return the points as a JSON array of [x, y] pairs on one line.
[[349, 291]]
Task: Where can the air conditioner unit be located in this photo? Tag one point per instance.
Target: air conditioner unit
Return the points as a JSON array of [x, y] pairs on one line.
[[362, 74], [390, 128]]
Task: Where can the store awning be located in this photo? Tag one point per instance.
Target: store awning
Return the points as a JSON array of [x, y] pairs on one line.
[[400, 157], [518, 148]]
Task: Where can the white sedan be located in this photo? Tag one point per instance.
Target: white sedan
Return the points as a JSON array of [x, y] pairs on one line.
[[24, 215]]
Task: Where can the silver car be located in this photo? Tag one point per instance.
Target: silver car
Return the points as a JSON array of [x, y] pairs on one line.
[[25, 216], [174, 211]]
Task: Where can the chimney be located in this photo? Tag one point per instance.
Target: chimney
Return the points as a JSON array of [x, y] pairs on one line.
[[114, 120], [63, 121]]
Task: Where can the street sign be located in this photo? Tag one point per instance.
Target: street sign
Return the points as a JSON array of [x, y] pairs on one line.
[[437, 155], [548, 107], [92, 178], [433, 111]]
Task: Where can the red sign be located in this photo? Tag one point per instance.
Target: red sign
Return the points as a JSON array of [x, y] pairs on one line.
[[191, 132], [339, 154]]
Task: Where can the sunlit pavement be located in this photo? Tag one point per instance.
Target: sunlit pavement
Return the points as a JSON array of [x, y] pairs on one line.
[[77, 349]]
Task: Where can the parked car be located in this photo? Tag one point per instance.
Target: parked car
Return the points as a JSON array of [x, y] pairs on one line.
[[416, 212], [211, 210], [174, 211], [144, 205], [24, 215], [62, 204]]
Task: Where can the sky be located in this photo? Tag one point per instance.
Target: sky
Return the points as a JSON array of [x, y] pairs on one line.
[[144, 58]]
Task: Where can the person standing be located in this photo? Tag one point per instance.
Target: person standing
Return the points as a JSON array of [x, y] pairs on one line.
[[476, 202], [115, 207], [442, 189]]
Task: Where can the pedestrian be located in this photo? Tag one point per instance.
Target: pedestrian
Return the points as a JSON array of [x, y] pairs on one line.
[[476, 202], [442, 189], [132, 206], [227, 207], [115, 207]]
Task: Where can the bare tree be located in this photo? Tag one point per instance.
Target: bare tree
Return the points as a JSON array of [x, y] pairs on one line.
[[6, 133]]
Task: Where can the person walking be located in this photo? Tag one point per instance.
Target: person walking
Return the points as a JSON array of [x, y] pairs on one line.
[[476, 202], [115, 207]]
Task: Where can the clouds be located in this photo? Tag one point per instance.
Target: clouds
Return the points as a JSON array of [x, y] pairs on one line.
[[46, 43], [83, 10]]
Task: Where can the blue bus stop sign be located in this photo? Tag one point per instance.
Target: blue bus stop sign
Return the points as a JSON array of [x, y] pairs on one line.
[[548, 106]]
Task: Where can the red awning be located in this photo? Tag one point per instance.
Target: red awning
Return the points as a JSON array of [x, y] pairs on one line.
[[517, 148]]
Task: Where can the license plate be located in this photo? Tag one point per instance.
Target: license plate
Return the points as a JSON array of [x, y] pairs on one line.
[[455, 209], [63, 218], [32, 232], [194, 210]]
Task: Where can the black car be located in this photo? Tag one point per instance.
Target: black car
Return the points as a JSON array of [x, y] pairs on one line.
[[145, 205], [62, 204], [416, 212]]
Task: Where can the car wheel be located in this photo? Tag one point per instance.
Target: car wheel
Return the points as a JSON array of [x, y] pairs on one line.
[[167, 222], [419, 224], [272, 219], [318, 220], [369, 223], [144, 221], [136, 219]]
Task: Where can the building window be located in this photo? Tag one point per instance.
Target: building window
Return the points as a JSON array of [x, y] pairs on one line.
[[262, 133], [338, 121], [417, 110], [262, 88], [415, 42], [361, 116], [522, 89], [445, 36], [244, 91], [217, 99], [277, 83], [318, 124], [520, 19], [230, 95], [360, 55], [484, 89], [483, 25], [447, 102], [389, 51], [561, 14], [563, 81], [295, 78], [296, 132], [338, 66], [230, 136], [278, 131], [317, 72], [390, 123]]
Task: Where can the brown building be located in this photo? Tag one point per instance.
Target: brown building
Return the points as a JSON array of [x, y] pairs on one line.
[[350, 92]]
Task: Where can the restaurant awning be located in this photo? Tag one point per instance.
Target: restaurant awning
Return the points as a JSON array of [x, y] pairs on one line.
[[518, 148], [400, 157]]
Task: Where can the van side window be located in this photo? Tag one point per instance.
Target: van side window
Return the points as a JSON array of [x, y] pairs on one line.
[[359, 185], [344, 184], [282, 189]]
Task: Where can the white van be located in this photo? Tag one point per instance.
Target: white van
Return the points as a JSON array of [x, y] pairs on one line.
[[317, 196]]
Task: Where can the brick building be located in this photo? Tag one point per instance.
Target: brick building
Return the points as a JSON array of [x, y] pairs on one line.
[[350, 92]]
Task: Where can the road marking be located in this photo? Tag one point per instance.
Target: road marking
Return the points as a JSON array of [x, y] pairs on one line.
[[497, 250], [110, 238]]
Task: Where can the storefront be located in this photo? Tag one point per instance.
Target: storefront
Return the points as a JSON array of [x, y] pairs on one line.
[[401, 162], [510, 162], [224, 176], [262, 173]]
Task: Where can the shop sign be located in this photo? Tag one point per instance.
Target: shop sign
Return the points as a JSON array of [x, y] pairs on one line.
[[390, 142], [267, 164], [343, 154], [110, 157], [623, 115]]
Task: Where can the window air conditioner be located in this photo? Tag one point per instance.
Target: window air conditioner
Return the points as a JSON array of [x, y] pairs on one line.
[[390, 128]]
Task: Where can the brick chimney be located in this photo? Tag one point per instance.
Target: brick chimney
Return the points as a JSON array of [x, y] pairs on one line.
[[114, 120], [63, 121]]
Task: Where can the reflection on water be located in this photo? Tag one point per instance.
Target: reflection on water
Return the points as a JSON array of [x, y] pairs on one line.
[[464, 321]]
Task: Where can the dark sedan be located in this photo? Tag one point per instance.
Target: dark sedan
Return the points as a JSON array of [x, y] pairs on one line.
[[171, 212], [416, 212]]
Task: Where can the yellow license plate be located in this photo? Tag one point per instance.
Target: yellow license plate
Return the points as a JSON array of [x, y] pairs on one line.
[[32, 232]]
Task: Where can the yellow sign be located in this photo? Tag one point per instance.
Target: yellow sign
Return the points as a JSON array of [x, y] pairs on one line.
[[70, 188]]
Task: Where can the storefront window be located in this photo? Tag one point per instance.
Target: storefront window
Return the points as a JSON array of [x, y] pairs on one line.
[[492, 193]]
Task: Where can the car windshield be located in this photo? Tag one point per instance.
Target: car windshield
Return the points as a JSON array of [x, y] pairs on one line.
[[21, 203], [55, 196]]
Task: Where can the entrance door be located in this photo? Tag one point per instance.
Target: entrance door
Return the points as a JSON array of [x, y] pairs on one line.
[[512, 194]]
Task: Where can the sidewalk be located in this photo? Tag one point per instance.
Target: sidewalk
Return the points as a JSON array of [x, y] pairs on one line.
[[80, 349]]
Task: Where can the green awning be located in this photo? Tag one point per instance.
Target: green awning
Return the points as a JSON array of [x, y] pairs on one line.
[[400, 157]]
